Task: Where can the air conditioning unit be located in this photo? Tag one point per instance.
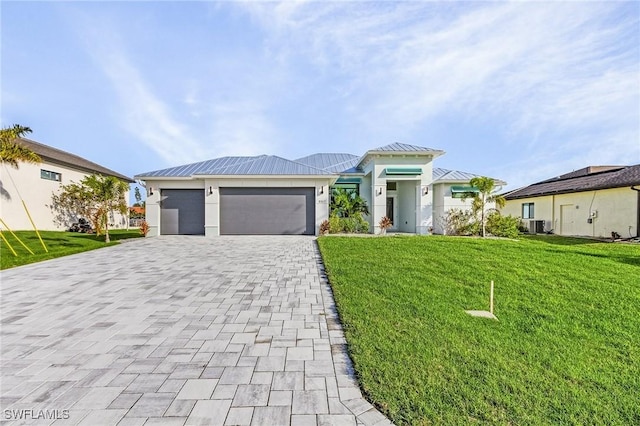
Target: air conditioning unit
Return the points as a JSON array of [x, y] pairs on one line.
[[536, 226]]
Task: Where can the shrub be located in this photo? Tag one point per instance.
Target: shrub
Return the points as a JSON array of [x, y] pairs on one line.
[[362, 226], [144, 228], [348, 225], [335, 225], [460, 222], [324, 227], [355, 224], [385, 223], [502, 226]]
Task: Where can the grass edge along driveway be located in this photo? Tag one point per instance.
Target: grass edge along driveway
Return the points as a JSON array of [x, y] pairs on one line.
[[565, 350], [58, 243]]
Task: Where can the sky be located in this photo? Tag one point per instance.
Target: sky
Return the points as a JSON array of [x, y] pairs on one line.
[[520, 91]]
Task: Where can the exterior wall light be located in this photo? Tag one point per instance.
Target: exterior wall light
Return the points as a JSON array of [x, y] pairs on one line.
[[322, 190], [425, 190], [210, 190], [150, 190], [379, 191]]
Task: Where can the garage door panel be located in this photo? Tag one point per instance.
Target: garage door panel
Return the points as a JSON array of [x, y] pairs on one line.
[[267, 211], [182, 212]]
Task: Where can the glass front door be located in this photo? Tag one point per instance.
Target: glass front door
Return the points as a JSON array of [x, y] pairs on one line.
[[391, 210]]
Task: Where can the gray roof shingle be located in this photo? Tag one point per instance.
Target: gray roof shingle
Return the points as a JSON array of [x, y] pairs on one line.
[[611, 177], [58, 156]]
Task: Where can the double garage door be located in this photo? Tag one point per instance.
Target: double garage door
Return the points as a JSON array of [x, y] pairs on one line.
[[243, 211]]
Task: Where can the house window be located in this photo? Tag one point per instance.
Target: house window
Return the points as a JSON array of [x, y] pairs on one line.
[[392, 186], [49, 175], [527, 210]]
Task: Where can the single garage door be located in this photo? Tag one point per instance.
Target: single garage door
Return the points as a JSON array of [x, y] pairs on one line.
[[267, 211], [182, 212]]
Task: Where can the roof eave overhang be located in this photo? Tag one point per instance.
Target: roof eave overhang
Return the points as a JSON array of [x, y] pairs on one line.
[[433, 154], [45, 159], [310, 177]]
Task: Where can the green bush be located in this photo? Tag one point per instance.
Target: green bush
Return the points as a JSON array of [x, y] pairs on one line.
[[349, 225], [335, 225], [502, 226], [461, 222]]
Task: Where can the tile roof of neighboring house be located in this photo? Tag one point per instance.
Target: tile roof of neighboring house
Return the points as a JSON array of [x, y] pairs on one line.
[[64, 158], [332, 162], [444, 175], [587, 179]]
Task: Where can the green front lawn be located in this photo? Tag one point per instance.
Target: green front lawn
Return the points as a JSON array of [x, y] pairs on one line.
[[58, 243], [565, 350]]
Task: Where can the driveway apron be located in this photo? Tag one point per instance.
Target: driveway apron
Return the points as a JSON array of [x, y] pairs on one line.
[[178, 331]]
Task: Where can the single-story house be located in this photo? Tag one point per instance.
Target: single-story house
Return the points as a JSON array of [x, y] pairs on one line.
[[451, 190], [36, 184], [267, 194], [594, 201]]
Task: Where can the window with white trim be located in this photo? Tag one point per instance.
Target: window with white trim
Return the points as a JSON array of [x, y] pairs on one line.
[[49, 175], [527, 211]]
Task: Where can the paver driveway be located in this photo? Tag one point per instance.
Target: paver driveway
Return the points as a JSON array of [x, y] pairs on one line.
[[178, 330]]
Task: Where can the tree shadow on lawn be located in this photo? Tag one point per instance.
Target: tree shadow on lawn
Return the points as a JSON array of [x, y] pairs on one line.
[[562, 241], [629, 260]]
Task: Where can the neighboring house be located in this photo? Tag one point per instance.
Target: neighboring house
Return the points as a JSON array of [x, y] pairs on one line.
[[449, 190], [36, 183], [271, 195], [594, 201]]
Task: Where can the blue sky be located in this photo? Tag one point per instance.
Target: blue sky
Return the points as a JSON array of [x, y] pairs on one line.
[[518, 91]]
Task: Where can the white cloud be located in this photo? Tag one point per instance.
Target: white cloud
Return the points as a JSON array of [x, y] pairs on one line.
[[210, 119], [563, 77]]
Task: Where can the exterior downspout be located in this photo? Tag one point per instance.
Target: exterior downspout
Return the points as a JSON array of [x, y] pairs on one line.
[[637, 211]]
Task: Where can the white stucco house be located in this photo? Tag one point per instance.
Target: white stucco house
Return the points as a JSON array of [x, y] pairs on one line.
[[267, 194], [36, 183], [593, 201]]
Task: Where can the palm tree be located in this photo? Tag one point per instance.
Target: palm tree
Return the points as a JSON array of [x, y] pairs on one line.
[[12, 152], [486, 187], [347, 203], [108, 195]]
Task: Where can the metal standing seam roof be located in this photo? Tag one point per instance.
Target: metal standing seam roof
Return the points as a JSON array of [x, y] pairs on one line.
[[568, 183], [315, 164], [257, 165], [403, 147], [67, 159], [265, 165], [332, 162], [444, 175]]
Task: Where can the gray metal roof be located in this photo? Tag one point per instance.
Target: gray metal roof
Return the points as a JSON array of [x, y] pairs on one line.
[[265, 165], [73, 161], [447, 175], [316, 164], [403, 147], [332, 162], [258, 165], [444, 175]]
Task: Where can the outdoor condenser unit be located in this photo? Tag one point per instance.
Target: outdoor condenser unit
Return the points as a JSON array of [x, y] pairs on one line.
[[536, 226]]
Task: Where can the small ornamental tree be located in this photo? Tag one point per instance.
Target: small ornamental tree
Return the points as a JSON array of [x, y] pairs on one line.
[[486, 195], [96, 197]]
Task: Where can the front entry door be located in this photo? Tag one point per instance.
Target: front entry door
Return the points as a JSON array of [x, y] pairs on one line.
[[392, 211]]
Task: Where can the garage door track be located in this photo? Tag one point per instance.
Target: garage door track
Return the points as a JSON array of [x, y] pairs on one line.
[[178, 331]]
